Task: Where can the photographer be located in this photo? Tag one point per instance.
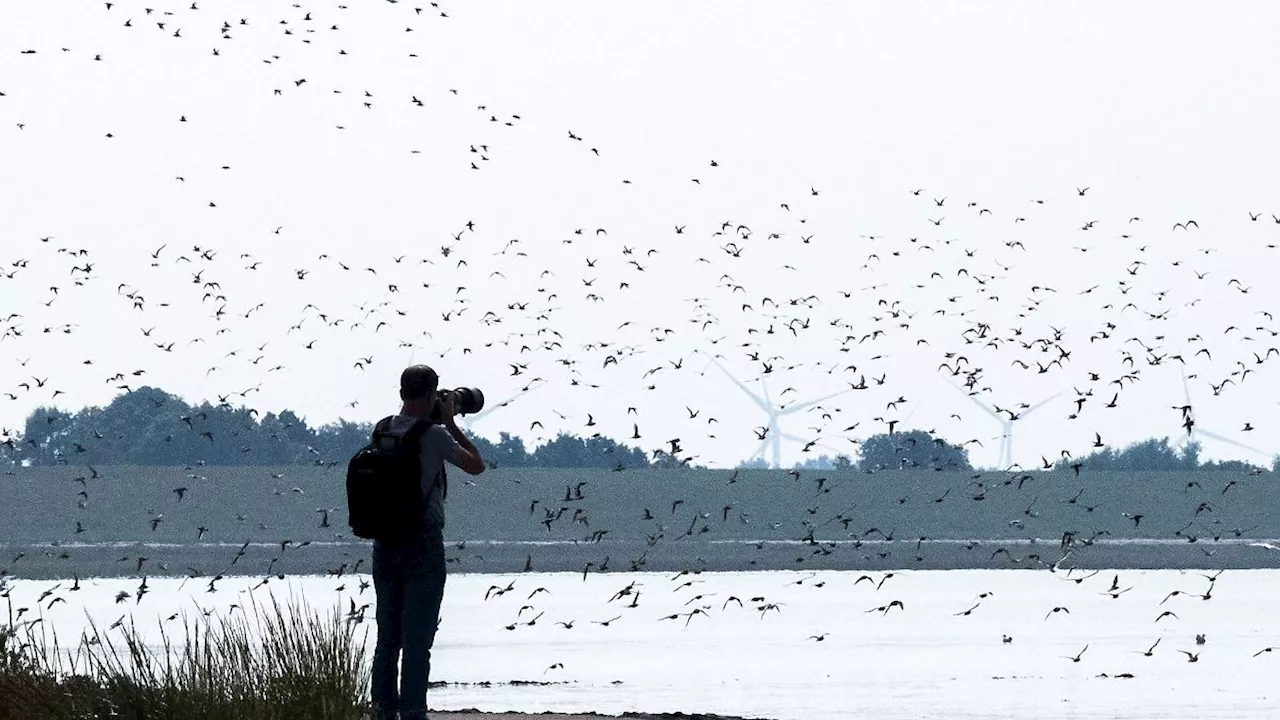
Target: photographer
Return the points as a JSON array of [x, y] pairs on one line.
[[409, 576]]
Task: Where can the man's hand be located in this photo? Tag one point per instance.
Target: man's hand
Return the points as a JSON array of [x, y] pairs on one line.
[[447, 409], [467, 457]]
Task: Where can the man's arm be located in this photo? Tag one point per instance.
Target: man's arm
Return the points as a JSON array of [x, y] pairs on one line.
[[466, 457]]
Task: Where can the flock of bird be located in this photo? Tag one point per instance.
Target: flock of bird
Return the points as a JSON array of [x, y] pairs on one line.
[[575, 312]]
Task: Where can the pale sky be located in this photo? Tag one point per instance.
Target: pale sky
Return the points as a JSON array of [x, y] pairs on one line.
[[1163, 111]]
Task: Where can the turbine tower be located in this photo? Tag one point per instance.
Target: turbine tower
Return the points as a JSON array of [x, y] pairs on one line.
[[773, 437], [1006, 423], [1197, 432]]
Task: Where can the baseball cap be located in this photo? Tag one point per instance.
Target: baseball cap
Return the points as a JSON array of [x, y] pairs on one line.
[[418, 381]]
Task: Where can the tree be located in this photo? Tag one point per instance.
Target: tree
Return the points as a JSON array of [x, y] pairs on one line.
[[150, 427], [665, 460], [1152, 454], [509, 451], [570, 451], [339, 439], [913, 449], [822, 462]]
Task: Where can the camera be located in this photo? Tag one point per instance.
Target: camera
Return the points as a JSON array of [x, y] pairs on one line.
[[466, 401]]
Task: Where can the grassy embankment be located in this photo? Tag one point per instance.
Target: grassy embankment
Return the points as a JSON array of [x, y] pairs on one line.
[[279, 661]]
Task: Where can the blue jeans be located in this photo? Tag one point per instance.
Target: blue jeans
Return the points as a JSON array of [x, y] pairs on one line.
[[409, 581]]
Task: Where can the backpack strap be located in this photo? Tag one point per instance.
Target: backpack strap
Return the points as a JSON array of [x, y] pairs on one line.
[[417, 430], [414, 435]]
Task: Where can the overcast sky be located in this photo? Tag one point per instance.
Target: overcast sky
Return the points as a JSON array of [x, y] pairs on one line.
[[265, 154]]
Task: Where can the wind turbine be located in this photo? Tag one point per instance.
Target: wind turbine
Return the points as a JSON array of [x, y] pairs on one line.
[[1197, 432], [1006, 422], [773, 437]]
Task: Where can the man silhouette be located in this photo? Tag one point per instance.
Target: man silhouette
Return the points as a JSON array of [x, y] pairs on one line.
[[409, 576]]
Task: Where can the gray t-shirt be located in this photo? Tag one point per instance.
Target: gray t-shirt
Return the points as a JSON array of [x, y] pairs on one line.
[[437, 447]]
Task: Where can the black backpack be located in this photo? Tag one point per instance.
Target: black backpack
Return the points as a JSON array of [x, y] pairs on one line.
[[384, 485]]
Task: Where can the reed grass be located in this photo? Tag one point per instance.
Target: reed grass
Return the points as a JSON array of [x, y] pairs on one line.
[[276, 661]]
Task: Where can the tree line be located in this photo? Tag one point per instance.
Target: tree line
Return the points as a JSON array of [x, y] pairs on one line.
[[1155, 454], [148, 426]]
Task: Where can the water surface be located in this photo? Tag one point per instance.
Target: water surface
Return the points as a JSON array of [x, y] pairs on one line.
[[923, 660]]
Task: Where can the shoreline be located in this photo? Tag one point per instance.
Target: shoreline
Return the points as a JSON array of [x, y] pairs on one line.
[[51, 561], [473, 714]]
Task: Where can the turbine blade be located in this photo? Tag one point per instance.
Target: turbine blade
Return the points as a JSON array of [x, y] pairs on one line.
[[974, 400], [1027, 412], [810, 403], [710, 360], [760, 452], [1229, 441], [825, 446], [480, 415], [762, 402], [806, 441]]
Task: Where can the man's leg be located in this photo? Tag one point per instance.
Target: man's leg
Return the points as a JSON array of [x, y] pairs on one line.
[[423, 594], [390, 589]]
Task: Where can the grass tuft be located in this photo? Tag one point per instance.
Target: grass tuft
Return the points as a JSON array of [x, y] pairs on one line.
[[278, 661]]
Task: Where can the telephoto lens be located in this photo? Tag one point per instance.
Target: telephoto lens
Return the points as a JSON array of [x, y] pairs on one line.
[[468, 401]]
